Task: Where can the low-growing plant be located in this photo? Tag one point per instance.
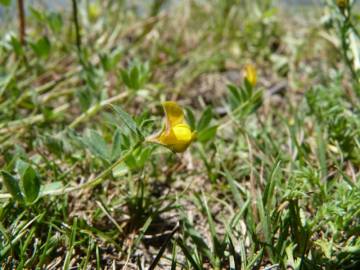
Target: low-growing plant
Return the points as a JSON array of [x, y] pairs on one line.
[[188, 135]]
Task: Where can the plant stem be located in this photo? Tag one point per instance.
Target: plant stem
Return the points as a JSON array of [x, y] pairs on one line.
[[21, 14], [76, 23], [95, 108], [19, 124], [98, 179], [345, 46]]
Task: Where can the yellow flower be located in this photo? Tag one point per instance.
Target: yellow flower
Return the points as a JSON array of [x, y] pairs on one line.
[[176, 134], [94, 11], [250, 74], [342, 3]]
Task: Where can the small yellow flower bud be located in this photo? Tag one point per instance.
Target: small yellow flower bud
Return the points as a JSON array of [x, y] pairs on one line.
[[250, 74], [94, 11], [342, 4]]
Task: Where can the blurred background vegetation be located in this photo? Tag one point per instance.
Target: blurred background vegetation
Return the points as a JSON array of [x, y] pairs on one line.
[[272, 181]]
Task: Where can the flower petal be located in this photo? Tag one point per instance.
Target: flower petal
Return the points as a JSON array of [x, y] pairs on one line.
[[177, 134], [173, 113], [250, 74], [182, 133]]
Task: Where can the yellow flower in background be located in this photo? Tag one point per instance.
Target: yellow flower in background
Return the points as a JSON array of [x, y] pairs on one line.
[[176, 134], [250, 74], [94, 11], [342, 3]]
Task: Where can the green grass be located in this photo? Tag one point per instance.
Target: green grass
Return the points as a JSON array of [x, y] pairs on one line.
[[272, 181]]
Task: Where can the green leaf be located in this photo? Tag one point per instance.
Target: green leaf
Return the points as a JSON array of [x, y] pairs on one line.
[[85, 98], [49, 188], [12, 186], [21, 167], [37, 14], [244, 101], [268, 195], [105, 62], [55, 22], [248, 85], [205, 119], [190, 118], [97, 145], [120, 170], [321, 150], [127, 119], [144, 74], [134, 78], [54, 144], [130, 161], [142, 157], [217, 248], [125, 142], [7, 81], [207, 134], [41, 47], [189, 254], [31, 184], [125, 78], [116, 145], [142, 231], [234, 190], [234, 96], [15, 43], [109, 61]]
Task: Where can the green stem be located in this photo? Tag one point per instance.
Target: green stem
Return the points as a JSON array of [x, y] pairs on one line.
[[20, 124], [345, 27], [101, 177]]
